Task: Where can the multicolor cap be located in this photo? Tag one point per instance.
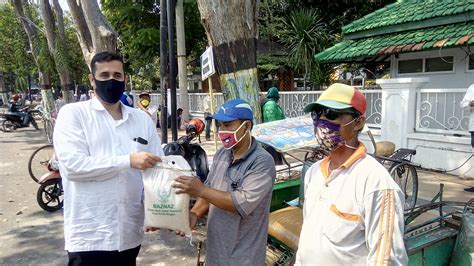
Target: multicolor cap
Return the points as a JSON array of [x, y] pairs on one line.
[[236, 109], [339, 96]]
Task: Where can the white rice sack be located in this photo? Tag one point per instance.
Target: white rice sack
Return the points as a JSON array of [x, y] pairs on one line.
[[163, 207]]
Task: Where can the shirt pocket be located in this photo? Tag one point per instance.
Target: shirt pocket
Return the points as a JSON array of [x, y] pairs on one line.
[[134, 146], [341, 226], [233, 180]]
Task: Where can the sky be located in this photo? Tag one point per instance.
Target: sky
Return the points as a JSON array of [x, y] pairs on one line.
[[63, 4]]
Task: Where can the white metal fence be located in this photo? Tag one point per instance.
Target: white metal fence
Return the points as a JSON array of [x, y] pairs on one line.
[[374, 108], [439, 111], [292, 103]]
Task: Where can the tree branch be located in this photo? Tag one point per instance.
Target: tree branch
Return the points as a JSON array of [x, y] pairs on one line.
[[83, 33]]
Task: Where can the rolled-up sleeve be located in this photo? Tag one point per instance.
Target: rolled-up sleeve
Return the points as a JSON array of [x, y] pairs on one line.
[[72, 151], [256, 185]]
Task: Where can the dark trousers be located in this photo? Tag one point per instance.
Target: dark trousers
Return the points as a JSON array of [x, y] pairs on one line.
[[472, 139], [92, 258], [208, 128]]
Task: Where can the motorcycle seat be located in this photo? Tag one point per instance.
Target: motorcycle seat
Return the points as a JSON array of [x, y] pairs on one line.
[[285, 226]]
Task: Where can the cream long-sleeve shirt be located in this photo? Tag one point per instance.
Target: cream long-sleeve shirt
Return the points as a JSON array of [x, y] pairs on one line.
[[466, 104], [103, 195], [352, 215]]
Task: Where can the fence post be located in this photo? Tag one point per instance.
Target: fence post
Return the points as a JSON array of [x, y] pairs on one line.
[[399, 108]]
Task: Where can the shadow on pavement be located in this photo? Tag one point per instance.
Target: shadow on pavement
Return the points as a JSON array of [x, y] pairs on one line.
[[166, 248], [35, 244]]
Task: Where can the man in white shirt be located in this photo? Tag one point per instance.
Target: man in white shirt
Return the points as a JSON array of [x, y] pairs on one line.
[[60, 102], [353, 209], [101, 146], [468, 104]]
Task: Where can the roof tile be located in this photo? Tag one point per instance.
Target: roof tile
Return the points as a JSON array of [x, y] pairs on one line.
[[428, 38], [409, 11]]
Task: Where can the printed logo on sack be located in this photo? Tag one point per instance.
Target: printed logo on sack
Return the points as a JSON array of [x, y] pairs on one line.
[[163, 198]]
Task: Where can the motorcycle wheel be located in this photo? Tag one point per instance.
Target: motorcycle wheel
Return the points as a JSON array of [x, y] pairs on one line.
[[8, 126], [50, 195]]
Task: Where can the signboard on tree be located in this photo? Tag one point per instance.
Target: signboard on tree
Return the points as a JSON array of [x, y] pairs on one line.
[[207, 64]]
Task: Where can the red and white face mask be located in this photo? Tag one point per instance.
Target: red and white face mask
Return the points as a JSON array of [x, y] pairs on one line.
[[229, 138]]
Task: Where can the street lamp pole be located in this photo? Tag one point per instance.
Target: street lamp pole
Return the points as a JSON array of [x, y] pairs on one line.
[[172, 63], [163, 72]]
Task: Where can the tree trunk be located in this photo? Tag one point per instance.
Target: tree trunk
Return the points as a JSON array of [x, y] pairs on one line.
[[35, 47], [305, 75], [182, 72], [57, 46], [94, 32], [231, 28]]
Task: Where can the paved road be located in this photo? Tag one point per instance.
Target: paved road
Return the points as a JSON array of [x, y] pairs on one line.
[[32, 236]]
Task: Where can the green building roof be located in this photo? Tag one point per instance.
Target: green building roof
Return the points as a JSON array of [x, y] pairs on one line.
[[416, 40], [405, 26], [404, 11]]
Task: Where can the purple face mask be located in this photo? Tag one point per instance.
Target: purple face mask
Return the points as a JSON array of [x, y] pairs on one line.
[[327, 135]]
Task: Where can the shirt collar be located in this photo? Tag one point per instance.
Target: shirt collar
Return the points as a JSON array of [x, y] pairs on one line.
[[358, 153], [252, 148], [97, 105]]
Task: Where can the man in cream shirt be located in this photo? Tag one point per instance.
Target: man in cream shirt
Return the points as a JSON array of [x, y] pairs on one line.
[[101, 146], [468, 104], [353, 210]]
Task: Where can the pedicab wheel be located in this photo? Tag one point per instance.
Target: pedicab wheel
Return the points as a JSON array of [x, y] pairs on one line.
[[8, 126], [38, 162], [50, 195], [406, 177], [35, 125]]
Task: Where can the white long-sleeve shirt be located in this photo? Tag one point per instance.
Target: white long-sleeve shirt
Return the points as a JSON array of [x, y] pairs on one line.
[[103, 195], [352, 215], [466, 104]]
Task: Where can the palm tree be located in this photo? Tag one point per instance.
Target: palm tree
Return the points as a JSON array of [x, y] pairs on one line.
[[304, 37]]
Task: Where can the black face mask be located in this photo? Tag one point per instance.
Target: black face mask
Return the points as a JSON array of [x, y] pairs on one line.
[[110, 90]]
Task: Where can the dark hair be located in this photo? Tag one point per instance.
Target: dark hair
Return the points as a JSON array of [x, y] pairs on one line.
[[104, 57], [245, 120], [355, 113]]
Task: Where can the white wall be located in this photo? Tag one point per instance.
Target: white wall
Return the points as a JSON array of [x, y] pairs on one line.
[[460, 78], [442, 152], [435, 151]]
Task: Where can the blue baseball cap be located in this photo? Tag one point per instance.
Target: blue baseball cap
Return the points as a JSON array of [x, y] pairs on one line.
[[236, 109]]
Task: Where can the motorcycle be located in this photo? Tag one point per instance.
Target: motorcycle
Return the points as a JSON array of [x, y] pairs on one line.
[[50, 193], [192, 152], [14, 120]]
